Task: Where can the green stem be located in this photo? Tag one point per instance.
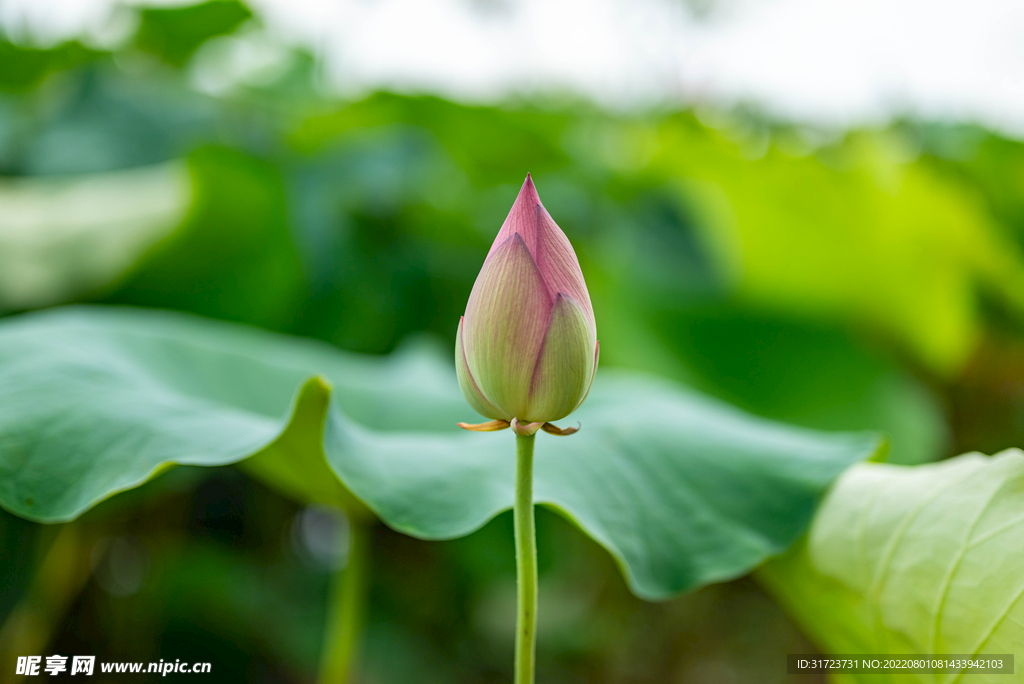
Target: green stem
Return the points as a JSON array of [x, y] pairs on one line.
[[526, 562], [345, 611]]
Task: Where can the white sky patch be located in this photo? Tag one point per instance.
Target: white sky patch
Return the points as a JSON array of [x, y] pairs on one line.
[[835, 63]]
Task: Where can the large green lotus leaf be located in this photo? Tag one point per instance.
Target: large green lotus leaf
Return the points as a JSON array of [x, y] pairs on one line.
[[680, 489], [921, 559], [95, 400]]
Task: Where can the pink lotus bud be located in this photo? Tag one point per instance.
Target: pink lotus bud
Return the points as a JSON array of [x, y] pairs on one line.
[[527, 347]]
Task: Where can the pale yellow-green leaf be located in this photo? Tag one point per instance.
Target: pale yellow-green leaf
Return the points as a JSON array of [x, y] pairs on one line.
[[914, 560]]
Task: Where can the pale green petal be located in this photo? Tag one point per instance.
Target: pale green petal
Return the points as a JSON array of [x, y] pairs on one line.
[[476, 400], [565, 368], [597, 357]]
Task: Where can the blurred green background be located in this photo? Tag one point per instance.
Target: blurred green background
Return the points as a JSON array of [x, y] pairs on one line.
[[869, 280]]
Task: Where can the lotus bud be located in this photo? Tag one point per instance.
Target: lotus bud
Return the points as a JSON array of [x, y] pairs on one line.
[[526, 350]]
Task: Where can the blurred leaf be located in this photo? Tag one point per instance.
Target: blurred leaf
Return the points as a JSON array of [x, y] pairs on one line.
[[913, 560], [103, 119], [681, 490], [233, 257], [491, 144], [381, 224], [663, 310], [860, 235], [24, 68], [798, 372], [175, 33], [218, 592], [64, 238], [984, 161]]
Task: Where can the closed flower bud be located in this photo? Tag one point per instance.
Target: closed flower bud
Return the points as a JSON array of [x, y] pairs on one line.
[[527, 347]]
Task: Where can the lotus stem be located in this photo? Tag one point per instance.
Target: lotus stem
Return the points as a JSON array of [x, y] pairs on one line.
[[526, 562], [346, 610]]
